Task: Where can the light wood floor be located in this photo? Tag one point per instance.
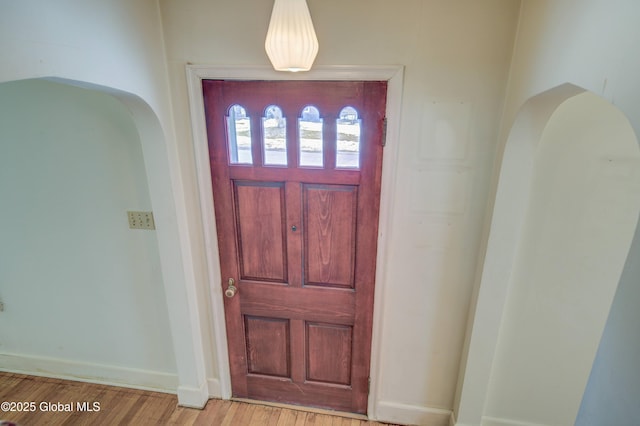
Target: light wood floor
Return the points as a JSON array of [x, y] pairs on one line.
[[121, 406]]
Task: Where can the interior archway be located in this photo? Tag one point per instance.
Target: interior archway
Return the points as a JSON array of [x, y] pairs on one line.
[[565, 214], [71, 165], [178, 305]]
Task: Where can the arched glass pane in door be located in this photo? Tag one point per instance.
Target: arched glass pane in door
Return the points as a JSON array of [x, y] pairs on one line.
[[348, 139], [274, 137], [310, 137], [239, 135]]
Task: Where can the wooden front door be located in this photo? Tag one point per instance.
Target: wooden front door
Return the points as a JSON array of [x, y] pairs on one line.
[[296, 169]]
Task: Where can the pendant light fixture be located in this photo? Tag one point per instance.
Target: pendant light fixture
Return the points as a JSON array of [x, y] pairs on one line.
[[291, 42]]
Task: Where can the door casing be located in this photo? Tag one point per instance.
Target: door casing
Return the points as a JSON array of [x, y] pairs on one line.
[[210, 314]]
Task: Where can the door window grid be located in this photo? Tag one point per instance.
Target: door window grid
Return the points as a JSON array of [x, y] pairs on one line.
[[310, 137]]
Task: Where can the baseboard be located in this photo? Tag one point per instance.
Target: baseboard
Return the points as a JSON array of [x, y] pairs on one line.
[[453, 421], [88, 372], [214, 388], [193, 397], [494, 421], [393, 412]]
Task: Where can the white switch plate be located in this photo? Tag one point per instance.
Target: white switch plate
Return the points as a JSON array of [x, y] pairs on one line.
[[141, 220]]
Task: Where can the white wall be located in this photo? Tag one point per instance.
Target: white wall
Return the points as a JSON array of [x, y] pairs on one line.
[[83, 294], [589, 44], [456, 57], [117, 46], [112, 44], [586, 43]]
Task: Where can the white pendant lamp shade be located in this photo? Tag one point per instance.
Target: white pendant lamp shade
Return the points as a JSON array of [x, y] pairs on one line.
[[291, 42]]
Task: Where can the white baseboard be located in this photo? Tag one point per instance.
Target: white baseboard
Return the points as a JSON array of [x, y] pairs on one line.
[[193, 397], [215, 390], [393, 412], [88, 372], [494, 421]]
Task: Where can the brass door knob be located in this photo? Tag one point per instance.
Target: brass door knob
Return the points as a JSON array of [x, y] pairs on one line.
[[231, 289]]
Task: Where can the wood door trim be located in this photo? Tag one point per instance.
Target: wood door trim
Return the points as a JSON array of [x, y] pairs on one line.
[[393, 74]]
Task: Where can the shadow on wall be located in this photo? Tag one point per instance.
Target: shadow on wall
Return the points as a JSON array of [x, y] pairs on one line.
[[612, 395]]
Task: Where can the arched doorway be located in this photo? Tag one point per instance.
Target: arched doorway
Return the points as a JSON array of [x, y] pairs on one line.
[[145, 175], [565, 213]]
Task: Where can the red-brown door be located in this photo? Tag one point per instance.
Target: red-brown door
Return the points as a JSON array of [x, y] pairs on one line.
[[296, 168]]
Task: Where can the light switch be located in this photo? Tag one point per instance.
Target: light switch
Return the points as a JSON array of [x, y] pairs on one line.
[[141, 220]]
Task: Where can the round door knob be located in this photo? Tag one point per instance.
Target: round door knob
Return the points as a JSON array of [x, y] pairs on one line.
[[231, 288], [230, 291]]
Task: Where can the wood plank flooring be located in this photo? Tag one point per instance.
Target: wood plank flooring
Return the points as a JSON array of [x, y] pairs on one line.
[[122, 406]]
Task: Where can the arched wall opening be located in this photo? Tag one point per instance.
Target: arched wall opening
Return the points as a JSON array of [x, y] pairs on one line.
[[76, 282], [81, 156], [565, 214]]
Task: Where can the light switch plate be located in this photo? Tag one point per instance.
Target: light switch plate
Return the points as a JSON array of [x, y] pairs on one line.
[[141, 220]]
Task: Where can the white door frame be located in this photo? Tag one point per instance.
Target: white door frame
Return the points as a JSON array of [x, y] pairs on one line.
[[214, 308]]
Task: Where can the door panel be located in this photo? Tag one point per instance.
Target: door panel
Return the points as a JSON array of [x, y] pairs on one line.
[[298, 241], [261, 239], [332, 366], [330, 231], [268, 342]]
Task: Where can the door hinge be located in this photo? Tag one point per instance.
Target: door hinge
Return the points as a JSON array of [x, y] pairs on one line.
[[384, 132], [369, 385]]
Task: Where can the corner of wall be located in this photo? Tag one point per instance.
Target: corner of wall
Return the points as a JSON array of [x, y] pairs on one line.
[[193, 397]]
